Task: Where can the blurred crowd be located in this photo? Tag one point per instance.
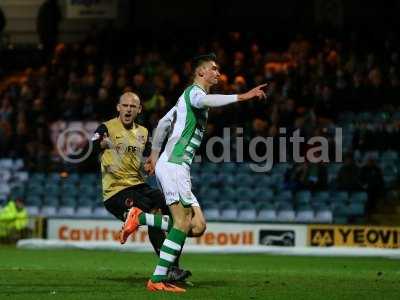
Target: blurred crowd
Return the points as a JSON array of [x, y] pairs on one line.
[[311, 83]]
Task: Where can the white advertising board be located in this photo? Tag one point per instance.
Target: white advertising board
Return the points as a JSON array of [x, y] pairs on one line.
[[217, 234]]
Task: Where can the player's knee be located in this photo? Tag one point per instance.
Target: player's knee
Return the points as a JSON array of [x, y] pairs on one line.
[[199, 228]]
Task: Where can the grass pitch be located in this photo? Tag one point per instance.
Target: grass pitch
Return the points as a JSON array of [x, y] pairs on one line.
[[79, 274]]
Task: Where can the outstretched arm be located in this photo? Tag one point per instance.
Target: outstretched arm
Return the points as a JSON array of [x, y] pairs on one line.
[[200, 100]]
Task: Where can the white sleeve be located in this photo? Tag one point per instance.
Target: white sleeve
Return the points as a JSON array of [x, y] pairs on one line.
[[163, 128], [200, 99]]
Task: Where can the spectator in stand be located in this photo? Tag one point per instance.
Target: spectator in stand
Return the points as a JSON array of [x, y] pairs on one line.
[[348, 177], [372, 181], [310, 176], [310, 85]]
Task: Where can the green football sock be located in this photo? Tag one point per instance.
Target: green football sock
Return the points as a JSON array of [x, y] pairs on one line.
[[162, 222], [169, 251]]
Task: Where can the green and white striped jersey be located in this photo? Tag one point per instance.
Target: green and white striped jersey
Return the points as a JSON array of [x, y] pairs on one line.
[[188, 123]]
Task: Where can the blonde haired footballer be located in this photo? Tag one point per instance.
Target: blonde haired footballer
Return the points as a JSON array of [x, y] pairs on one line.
[[119, 144]]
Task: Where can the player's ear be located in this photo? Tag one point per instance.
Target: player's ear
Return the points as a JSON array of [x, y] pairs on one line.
[[199, 71], [118, 107], [140, 108]]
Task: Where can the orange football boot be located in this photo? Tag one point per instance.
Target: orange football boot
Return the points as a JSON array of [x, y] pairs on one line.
[[163, 287], [131, 224]]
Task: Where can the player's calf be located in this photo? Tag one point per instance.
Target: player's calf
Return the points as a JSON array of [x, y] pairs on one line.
[[197, 229], [198, 222]]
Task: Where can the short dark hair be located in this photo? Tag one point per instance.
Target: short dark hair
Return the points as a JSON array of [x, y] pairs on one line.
[[198, 60]]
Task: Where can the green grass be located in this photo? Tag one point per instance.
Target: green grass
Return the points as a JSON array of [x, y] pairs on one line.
[[79, 274]]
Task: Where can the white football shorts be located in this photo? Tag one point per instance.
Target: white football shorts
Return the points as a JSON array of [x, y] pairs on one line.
[[175, 183]]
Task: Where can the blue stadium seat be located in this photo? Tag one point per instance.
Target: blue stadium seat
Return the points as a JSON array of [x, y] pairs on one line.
[[33, 210], [211, 210], [6, 163], [339, 196], [48, 211], [323, 215], [101, 212], [228, 168], [228, 211], [98, 199], [247, 211], [305, 214], [321, 196], [84, 200], [357, 209], [5, 176], [68, 189], [51, 189], [263, 180], [213, 195], [37, 177], [340, 214], [33, 200], [284, 206], [284, 196], [88, 190], [285, 214], [333, 170], [281, 168], [263, 194], [266, 213], [226, 179], [90, 178], [303, 197], [196, 180], [21, 176], [50, 200], [66, 211], [244, 193], [208, 179], [73, 177], [53, 177], [83, 211], [17, 191], [34, 190], [209, 167], [277, 181], [359, 197], [229, 194], [244, 168], [208, 204], [244, 180], [67, 200], [69, 181], [195, 168]]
